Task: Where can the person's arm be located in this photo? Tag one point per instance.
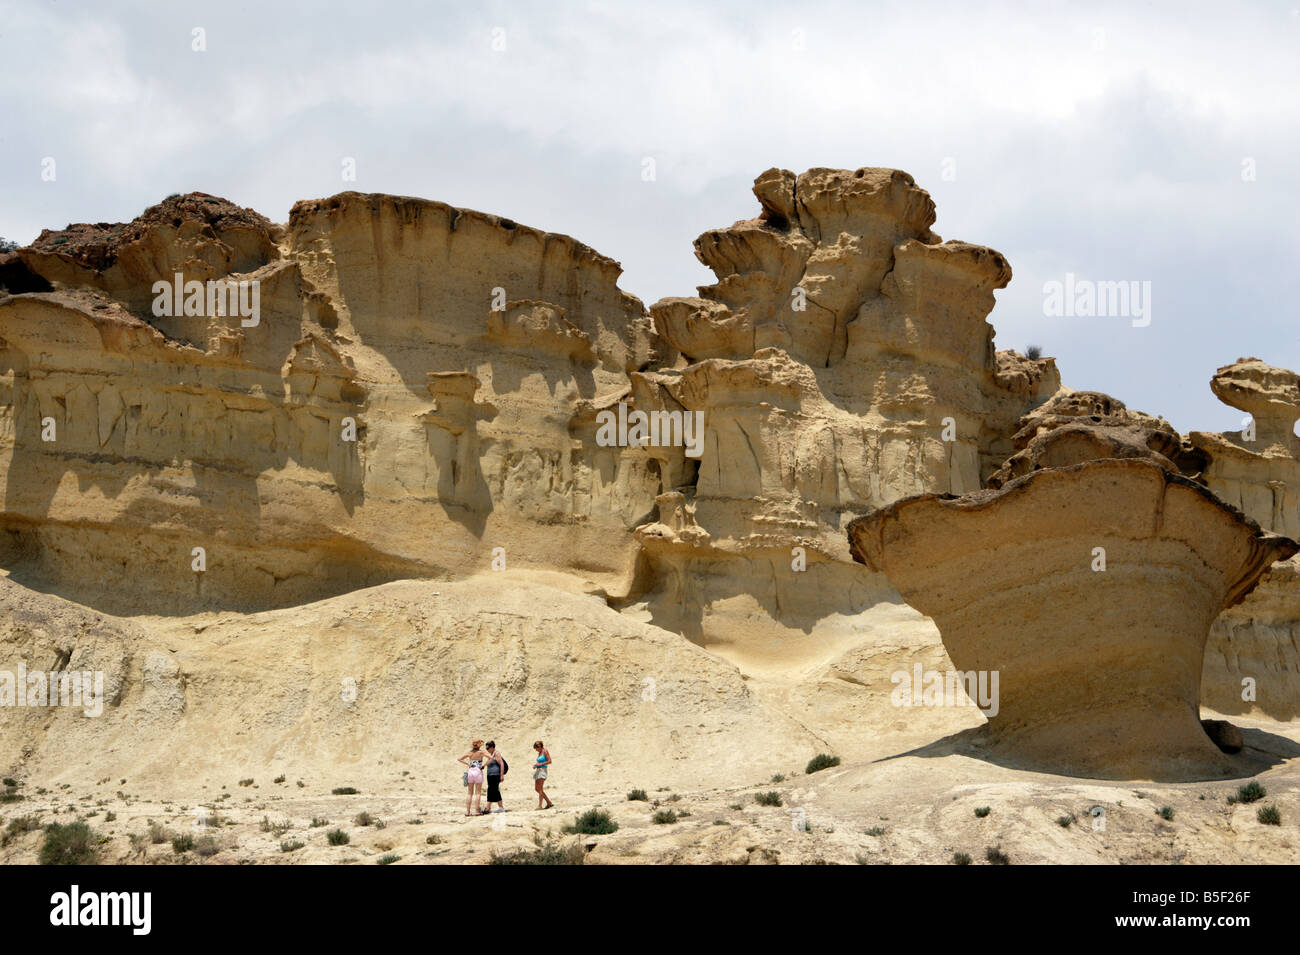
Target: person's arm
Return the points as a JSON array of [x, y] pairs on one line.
[[463, 758], [546, 753]]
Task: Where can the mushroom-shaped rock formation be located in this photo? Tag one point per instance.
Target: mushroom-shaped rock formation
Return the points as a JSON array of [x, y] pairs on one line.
[[1258, 470], [1090, 590]]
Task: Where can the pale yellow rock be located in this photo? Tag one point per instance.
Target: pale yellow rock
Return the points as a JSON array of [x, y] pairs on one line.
[[1089, 590]]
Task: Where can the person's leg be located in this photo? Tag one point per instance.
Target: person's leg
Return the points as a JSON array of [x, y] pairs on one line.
[[537, 784], [469, 797]]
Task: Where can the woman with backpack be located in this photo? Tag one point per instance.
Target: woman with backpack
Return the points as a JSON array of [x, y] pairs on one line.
[[497, 767]]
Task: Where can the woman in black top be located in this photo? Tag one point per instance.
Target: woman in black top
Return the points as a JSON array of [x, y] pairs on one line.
[[495, 772]]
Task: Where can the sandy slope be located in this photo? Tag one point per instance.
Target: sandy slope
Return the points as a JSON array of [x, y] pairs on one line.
[[199, 704]]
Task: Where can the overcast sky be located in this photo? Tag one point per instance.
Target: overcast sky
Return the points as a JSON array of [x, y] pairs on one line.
[[1115, 142]]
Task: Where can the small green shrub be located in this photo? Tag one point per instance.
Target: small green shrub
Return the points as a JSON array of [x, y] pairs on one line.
[[1251, 792], [549, 854], [637, 795], [982, 811], [206, 846], [772, 798], [291, 845], [1269, 816], [246, 782], [363, 819], [344, 791], [593, 822], [182, 843], [337, 837], [996, 856], [778, 778], [821, 761], [9, 781], [387, 859], [433, 840], [664, 817], [1064, 821], [278, 779], [318, 821], [875, 831], [74, 843], [1166, 813], [961, 858], [158, 833]]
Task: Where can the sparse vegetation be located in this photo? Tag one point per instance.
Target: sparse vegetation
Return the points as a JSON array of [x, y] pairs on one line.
[[736, 806], [182, 843], [778, 778], [206, 846], [1269, 816], [20, 824], [961, 858], [8, 245], [637, 795], [875, 831], [593, 822], [1034, 352], [344, 791], [246, 782], [387, 859], [433, 840], [158, 833], [1166, 813], [73, 843], [363, 819], [337, 837], [276, 828], [278, 779], [982, 811], [291, 845], [821, 761], [1251, 792], [549, 854], [8, 780], [772, 798], [318, 821], [664, 817], [996, 856], [1065, 821]]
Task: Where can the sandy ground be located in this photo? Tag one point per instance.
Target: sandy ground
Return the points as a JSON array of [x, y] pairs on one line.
[[907, 809]]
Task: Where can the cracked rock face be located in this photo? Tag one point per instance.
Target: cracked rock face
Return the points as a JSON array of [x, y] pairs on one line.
[[410, 398], [1099, 668]]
